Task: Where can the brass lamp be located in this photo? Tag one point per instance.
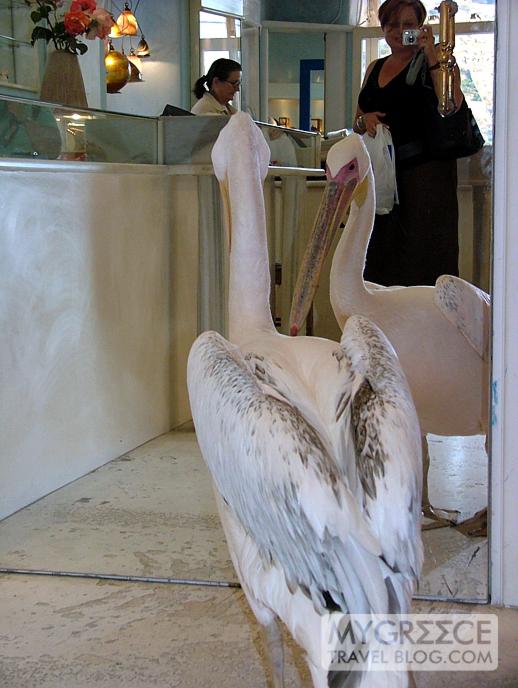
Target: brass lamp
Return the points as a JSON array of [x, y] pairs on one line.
[[117, 70]]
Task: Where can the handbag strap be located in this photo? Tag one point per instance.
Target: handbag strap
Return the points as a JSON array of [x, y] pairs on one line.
[[415, 68]]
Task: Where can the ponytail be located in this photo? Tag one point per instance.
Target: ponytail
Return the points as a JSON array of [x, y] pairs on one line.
[[199, 87], [221, 68]]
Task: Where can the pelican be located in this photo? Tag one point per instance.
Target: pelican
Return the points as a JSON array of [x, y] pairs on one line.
[[313, 446], [440, 333]]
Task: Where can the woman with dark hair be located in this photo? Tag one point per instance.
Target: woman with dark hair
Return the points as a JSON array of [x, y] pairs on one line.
[[216, 89], [418, 240]]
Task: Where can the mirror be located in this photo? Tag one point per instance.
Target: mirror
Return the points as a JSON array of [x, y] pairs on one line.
[[151, 513], [19, 61], [295, 78]]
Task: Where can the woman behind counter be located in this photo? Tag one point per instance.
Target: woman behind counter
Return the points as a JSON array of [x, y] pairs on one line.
[[216, 89], [418, 240]]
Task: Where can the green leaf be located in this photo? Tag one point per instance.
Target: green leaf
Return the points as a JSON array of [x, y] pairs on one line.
[[41, 32]]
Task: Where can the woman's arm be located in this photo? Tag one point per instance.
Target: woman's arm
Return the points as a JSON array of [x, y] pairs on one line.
[[367, 121]]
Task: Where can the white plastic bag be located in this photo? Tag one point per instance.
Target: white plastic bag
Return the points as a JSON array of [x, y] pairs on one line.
[[381, 151]]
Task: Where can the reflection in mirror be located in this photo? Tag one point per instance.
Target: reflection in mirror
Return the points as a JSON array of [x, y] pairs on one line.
[[452, 555], [151, 513], [292, 98]]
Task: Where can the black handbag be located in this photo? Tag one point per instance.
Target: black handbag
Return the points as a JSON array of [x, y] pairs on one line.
[[454, 136]]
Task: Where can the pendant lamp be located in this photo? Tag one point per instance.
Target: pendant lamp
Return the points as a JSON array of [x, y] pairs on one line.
[[135, 66], [117, 70], [127, 22], [115, 32], [142, 49]]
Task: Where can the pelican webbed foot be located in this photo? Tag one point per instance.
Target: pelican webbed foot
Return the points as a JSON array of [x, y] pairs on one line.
[[439, 518], [475, 526]]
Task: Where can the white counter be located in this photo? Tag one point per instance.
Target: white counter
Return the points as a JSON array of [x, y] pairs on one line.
[[109, 271]]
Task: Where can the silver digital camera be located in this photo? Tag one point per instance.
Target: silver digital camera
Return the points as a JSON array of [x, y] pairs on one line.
[[410, 36]]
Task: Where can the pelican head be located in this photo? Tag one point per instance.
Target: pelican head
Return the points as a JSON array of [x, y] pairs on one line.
[[240, 151], [240, 144], [347, 166]]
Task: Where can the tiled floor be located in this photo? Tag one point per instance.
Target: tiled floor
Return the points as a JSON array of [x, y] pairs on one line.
[[151, 513]]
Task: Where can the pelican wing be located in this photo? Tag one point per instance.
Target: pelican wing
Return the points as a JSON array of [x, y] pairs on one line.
[[467, 308], [379, 420], [289, 495]]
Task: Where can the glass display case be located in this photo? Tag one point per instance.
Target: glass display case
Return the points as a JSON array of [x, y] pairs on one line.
[[188, 140], [31, 129], [36, 130]]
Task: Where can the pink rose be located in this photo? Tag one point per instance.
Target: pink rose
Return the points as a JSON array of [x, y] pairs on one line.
[[102, 22]]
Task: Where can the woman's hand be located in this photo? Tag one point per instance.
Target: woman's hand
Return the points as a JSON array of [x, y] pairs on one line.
[[427, 43], [371, 121]]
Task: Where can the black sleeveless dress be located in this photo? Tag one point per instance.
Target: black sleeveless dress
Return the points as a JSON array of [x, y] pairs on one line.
[[418, 241]]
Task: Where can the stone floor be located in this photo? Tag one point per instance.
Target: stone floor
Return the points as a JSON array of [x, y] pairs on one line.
[[151, 514], [74, 633]]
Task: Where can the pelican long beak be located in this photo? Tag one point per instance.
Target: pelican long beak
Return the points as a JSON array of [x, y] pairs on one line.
[[335, 202]]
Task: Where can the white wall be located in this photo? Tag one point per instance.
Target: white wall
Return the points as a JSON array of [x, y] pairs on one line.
[[85, 280], [504, 454], [164, 26], [162, 23]]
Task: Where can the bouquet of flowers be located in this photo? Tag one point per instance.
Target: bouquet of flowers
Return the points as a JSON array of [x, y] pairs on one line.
[[62, 27]]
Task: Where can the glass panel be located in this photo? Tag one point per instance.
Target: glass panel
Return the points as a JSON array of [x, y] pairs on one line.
[[216, 26], [190, 140], [232, 6], [31, 130], [18, 59], [475, 57], [292, 147]]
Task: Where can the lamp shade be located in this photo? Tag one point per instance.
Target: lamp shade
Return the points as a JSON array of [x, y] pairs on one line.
[[135, 66], [142, 49], [115, 32], [127, 22], [117, 70]]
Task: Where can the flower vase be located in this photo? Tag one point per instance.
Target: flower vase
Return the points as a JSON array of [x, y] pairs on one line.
[[62, 81]]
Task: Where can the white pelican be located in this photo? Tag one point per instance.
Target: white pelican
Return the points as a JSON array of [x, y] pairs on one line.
[[440, 333], [313, 446]]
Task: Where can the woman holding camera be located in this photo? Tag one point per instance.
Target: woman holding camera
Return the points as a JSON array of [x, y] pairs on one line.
[[418, 240]]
